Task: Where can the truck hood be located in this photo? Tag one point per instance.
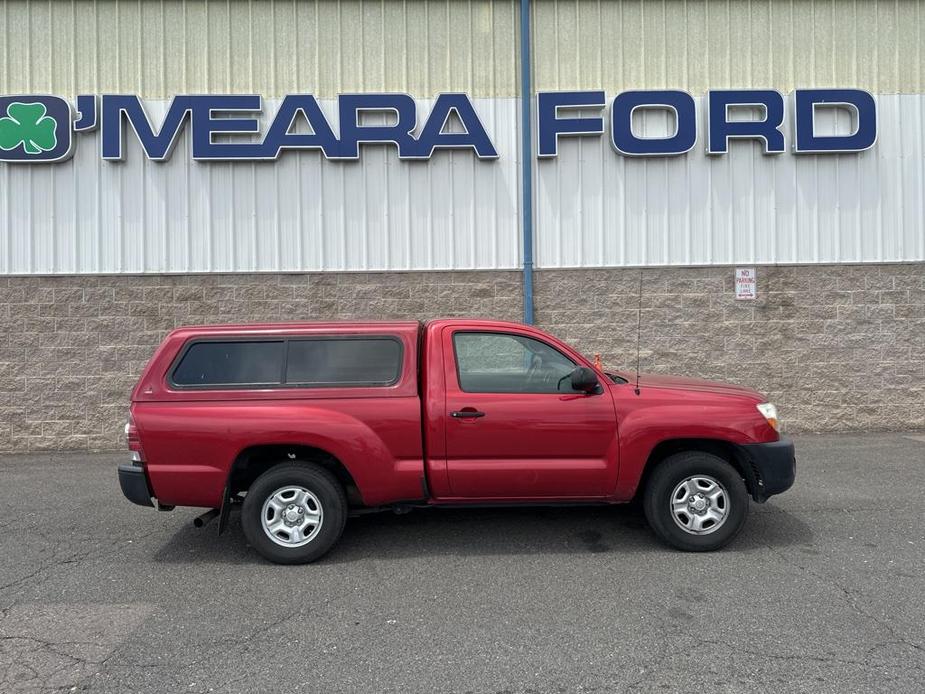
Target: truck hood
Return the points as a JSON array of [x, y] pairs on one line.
[[694, 384]]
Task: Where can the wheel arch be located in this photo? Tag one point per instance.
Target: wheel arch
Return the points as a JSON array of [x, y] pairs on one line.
[[730, 452], [254, 460]]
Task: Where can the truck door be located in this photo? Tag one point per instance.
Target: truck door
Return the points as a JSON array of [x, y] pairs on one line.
[[515, 429]]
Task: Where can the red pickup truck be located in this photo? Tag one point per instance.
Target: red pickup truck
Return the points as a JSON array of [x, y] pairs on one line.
[[304, 424]]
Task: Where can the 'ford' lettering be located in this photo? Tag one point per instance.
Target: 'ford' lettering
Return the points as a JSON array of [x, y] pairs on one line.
[[566, 114]]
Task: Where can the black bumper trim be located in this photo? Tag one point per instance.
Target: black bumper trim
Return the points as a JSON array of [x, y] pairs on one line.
[[774, 466], [134, 483]]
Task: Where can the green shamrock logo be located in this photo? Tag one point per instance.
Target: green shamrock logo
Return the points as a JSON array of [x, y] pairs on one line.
[[29, 126]]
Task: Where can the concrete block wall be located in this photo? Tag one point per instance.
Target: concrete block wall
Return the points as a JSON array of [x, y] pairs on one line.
[[838, 347], [73, 347]]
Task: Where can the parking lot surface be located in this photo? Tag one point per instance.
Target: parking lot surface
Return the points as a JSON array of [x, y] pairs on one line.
[[823, 591]]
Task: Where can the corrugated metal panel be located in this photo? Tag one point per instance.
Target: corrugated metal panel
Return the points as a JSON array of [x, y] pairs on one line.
[[158, 49], [597, 208], [594, 207], [298, 213], [715, 44]]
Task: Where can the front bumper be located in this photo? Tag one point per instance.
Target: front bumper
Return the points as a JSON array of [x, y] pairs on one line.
[[772, 467], [134, 483]]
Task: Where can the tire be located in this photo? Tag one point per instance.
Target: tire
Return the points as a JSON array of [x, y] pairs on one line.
[[679, 494], [303, 535]]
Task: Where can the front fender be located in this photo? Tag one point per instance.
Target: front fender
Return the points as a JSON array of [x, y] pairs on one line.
[[643, 426]]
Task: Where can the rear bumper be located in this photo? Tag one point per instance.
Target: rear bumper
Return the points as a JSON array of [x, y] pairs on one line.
[[134, 483], [773, 466]]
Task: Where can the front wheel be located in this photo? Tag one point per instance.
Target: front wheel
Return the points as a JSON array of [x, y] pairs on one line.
[[695, 501], [294, 513]]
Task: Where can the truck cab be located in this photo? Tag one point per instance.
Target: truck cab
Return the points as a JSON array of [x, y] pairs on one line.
[[303, 424]]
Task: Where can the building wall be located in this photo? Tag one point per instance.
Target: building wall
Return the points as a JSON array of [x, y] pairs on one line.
[[88, 249], [301, 212], [836, 346], [875, 45], [593, 207], [325, 47]]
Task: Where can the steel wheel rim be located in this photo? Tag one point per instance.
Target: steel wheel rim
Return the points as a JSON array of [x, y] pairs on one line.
[[292, 516], [699, 505]]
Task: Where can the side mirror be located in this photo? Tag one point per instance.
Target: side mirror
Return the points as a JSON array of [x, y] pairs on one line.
[[584, 380]]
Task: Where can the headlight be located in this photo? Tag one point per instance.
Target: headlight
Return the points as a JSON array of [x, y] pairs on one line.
[[769, 412]]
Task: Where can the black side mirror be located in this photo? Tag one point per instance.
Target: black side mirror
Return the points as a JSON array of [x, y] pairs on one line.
[[584, 380]]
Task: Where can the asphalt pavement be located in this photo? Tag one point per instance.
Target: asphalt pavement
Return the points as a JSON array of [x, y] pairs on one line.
[[824, 591]]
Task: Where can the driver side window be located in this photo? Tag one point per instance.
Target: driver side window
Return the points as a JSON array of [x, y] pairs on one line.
[[508, 363]]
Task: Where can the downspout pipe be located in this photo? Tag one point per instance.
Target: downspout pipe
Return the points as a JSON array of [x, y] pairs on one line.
[[526, 98]]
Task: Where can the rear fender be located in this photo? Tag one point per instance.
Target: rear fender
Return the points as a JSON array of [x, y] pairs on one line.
[[191, 448], [378, 475]]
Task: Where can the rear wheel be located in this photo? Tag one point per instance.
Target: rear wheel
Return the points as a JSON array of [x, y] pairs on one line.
[[695, 501], [294, 513]]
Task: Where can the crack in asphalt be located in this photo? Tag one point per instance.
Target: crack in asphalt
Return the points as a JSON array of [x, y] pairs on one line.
[[75, 558], [43, 645], [204, 641], [851, 599]]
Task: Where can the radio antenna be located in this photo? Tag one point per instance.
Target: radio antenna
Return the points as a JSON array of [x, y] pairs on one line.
[[638, 328]]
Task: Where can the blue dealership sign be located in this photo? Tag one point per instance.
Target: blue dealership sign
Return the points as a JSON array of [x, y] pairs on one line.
[[40, 128], [553, 123]]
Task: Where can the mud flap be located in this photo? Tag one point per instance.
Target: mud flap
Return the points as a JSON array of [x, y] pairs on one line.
[[225, 510]]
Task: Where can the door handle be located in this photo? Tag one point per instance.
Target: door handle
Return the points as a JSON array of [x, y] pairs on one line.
[[468, 413]]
